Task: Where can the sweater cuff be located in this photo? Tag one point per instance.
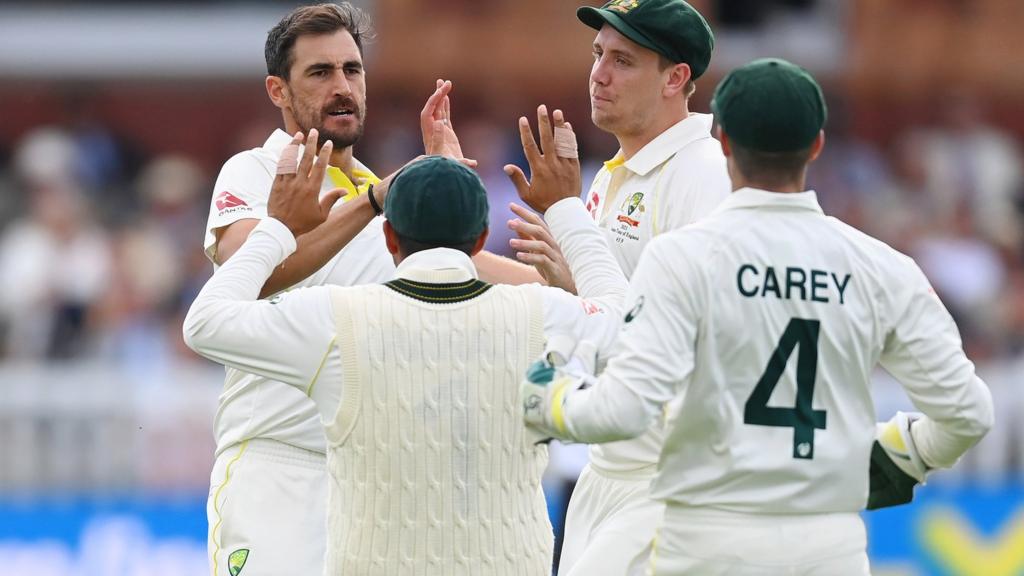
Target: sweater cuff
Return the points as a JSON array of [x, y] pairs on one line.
[[279, 232]]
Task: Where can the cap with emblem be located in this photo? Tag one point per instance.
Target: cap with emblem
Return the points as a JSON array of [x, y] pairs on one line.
[[770, 105], [671, 28], [437, 201]]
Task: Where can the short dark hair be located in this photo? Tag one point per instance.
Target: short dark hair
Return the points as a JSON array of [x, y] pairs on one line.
[[664, 64], [312, 20], [409, 246], [770, 168]]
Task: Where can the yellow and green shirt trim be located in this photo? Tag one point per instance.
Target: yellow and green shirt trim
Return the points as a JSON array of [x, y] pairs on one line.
[[341, 180]]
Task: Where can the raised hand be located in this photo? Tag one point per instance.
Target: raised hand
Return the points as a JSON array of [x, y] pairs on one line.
[[554, 169], [295, 195], [537, 247], [439, 136]]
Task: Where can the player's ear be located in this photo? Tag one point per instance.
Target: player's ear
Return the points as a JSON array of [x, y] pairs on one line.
[[390, 238], [724, 140], [816, 146], [479, 244], [277, 89], [678, 76]]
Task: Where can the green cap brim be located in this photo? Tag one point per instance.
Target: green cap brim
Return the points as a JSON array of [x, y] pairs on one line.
[[597, 17]]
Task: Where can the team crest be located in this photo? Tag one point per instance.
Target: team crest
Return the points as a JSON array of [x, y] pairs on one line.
[[622, 6], [237, 560], [632, 203]]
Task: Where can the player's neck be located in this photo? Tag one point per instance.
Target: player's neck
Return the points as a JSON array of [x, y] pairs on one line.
[[633, 143], [344, 160], [787, 187]]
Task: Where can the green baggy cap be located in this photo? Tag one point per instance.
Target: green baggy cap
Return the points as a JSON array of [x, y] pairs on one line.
[[437, 201], [770, 105], [671, 28]]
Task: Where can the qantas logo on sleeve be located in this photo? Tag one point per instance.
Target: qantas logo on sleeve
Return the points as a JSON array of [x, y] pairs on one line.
[[592, 204], [227, 200]]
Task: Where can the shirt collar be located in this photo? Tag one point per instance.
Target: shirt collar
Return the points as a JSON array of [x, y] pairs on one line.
[[755, 198], [657, 151], [437, 266]]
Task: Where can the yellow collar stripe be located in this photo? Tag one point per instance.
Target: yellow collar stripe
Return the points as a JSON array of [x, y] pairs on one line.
[[614, 163], [341, 180]]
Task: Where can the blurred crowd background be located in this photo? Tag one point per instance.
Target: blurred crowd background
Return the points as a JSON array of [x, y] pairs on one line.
[[115, 118]]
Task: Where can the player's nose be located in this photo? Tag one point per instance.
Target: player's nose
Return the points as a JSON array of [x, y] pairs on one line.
[[341, 86], [599, 73]]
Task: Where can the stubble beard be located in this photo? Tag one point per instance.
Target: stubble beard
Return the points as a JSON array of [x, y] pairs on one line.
[[309, 119]]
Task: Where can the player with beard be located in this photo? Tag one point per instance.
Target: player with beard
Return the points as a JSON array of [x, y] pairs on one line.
[[268, 488]]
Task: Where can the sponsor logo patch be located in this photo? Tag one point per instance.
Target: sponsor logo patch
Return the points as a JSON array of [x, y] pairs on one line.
[[627, 220], [590, 308], [592, 204], [228, 200], [636, 310]]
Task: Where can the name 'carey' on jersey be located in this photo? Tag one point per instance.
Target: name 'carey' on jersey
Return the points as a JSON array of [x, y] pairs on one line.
[[791, 283]]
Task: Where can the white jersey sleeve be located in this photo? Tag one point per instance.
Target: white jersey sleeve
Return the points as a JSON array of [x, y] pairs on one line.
[[594, 268], [594, 314], [241, 191], [286, 338], [924, 353], [654, 353]]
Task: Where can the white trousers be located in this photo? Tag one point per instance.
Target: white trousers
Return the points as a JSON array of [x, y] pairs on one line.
[[715, 543], [267, 510], [609, 525]]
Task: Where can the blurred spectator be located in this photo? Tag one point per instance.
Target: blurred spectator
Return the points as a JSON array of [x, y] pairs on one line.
[[155, 255], [490, 146], [55, 260], [964, 269], [970, 163], [901, 210]]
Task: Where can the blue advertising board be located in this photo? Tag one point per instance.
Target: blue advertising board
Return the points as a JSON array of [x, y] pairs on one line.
[[950, 531], [946, 531]]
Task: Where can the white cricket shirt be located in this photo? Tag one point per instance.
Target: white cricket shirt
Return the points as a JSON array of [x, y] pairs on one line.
[[292, 339], [674, 180], [769, 317], [252, 406]]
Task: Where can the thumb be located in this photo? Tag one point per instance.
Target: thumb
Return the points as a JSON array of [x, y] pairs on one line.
[[329, 199], [515, 173]]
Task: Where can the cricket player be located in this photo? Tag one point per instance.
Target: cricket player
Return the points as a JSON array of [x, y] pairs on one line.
[[416, 380], [768, 317], [669, 172], [268, 487]]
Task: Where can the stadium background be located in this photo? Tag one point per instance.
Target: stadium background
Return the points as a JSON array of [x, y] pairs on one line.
[[115, 117]]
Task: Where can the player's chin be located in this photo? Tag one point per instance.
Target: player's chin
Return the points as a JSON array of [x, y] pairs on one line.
[[603, 120], [342, 138]]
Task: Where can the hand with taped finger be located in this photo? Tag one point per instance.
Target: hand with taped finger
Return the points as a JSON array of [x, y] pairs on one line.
[[295, 195], [554, 165], [439, 136], [537, 247]]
